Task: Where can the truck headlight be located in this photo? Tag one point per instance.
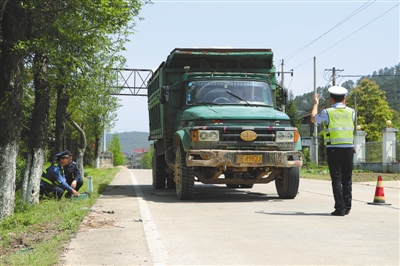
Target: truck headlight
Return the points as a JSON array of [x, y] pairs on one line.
[[284, 136], [205, 135]]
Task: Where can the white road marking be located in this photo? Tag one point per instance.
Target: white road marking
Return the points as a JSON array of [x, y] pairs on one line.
[[156, 247]]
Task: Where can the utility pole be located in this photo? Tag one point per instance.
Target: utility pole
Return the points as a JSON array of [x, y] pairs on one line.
[[355, 110], [315, 133], [282, 81], [334, 70], [282, 84], [333, 77]]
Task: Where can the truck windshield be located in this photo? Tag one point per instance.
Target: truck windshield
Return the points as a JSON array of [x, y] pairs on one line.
[[229, 92]]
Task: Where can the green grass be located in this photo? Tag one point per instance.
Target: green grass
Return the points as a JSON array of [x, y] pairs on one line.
[[35, 234], [322, 173]]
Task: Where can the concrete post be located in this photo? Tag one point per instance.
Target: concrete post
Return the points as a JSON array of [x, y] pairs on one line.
[[359, 147], [388, 148]]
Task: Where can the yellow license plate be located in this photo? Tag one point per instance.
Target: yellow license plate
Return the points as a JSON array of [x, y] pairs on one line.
[[249, 158]]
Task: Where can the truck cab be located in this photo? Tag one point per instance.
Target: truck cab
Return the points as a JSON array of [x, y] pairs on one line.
[[214, 119]]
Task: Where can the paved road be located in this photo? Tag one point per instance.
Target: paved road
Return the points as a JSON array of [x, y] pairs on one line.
[[133, 224]]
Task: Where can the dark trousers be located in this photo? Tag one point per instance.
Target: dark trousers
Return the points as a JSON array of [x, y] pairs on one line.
[[51, 191], [79, 184], [340, 162]]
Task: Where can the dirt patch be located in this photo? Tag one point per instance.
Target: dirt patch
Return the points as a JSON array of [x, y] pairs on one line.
[[25, 241], [97, 219]]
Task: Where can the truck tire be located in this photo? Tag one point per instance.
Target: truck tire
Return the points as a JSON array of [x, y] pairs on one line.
[[159, 173], [228, 176], [287, 185], [184, 176]]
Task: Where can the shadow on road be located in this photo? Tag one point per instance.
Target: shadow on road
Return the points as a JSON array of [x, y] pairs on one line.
[[294, 213], [202, 193]]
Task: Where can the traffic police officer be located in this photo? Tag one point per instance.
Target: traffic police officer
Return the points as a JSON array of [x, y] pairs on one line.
[[53, 183], [338, 123], [72, 174]]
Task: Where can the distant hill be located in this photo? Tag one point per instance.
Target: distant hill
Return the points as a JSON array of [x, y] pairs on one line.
[[132, 140]]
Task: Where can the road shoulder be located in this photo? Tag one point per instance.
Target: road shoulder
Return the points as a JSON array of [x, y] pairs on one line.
[[112, 232]]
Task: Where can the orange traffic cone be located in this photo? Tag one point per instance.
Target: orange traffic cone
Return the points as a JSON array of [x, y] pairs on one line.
[[379, 198]]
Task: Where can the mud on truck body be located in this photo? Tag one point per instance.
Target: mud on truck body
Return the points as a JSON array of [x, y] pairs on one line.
[[214, 119]]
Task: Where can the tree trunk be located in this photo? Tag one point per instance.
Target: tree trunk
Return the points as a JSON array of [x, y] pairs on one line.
[[33, 172], [37, 144], [97, 153], [81, 147], [61, 117], [13, 29]]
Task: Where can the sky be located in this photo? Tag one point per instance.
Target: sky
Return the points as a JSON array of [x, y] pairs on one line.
[[354, 37]]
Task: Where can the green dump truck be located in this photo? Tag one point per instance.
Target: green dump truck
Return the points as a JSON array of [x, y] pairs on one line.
[[214, 119]]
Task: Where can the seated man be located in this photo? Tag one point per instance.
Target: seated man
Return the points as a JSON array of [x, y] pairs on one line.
[[53, 183]]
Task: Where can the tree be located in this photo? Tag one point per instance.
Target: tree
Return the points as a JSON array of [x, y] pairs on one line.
[[80, 53], [372, 108], [388, 80], [293, 113], [38, 128], [115, 148], [65, 37], [146, 161], [13, 29], [349, 85]]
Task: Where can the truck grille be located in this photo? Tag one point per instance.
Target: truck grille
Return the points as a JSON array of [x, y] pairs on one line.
[[234, 135]]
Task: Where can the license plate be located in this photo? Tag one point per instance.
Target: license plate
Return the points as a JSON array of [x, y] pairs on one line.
[[249, 158]]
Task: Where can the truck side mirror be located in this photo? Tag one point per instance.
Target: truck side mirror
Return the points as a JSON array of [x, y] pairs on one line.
[[164, 94]]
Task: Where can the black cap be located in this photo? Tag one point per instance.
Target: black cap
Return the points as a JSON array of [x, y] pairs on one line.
[[63, 154]]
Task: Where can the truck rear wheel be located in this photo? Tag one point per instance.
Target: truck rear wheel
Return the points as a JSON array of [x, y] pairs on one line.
[[230, 176], [287, 184], [184, 176], [159, 173]]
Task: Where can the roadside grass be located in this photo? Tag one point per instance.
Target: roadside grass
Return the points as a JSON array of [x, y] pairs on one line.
[[322, 173], [35, 234]]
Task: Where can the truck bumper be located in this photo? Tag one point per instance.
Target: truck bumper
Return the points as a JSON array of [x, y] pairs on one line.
[[214, 158]]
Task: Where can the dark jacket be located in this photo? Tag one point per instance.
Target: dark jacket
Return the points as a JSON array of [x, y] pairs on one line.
[[72, 173], [55, 176]]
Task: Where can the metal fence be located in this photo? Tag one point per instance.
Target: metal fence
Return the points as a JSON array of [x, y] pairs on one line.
[[373, 152]]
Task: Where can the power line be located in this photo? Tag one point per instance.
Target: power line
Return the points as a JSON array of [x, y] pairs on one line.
[[349, 35], [372, 76], [358, 10], [357, 30], [309, 84]]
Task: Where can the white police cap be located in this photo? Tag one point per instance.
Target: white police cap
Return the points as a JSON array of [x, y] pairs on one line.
[[337, 90]]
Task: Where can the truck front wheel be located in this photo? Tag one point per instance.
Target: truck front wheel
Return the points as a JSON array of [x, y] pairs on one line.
[[184, 176], [287, 184], [159, 173]]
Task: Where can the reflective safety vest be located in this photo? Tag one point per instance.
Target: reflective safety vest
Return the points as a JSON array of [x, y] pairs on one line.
[[340, 128], [48, 178]]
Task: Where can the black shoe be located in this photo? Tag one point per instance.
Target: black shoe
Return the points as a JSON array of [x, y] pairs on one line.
[[337, 213], [346, 212]]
